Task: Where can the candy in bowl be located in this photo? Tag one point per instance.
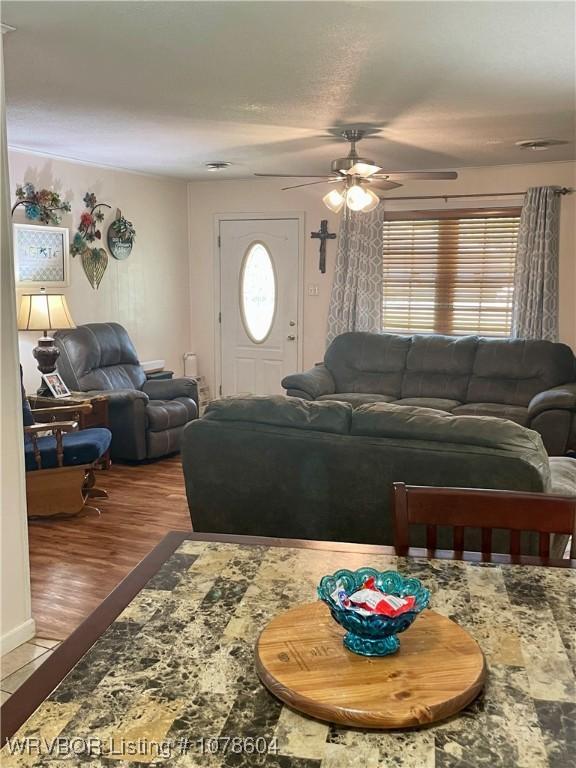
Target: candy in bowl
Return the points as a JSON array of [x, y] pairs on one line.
[[373, 606]]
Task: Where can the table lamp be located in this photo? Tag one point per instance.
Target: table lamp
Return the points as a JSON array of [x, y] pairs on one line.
[[44, 312]]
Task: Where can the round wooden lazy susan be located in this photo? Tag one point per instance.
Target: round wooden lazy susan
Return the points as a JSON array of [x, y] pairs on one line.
[[438, 670]]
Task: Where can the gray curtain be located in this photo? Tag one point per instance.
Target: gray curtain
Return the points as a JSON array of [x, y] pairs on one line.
[[535, 314], [356, 300]]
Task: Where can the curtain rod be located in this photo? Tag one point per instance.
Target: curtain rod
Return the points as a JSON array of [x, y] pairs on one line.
[[558, 191]]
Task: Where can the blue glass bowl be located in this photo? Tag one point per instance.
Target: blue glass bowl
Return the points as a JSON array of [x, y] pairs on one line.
[[374, 635]]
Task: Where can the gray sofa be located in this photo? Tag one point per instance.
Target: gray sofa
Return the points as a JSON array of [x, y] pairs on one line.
[[279, 466], [146, 417], [530, 382]]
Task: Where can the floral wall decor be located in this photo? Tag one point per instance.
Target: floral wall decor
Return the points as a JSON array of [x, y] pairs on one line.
[[40, 205], [94, 259], [121, 236]]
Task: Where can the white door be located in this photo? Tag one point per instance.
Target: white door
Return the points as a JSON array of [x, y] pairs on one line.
[[259, 286]]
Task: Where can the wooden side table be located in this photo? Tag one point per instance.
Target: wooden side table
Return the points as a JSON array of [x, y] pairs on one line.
[[96, 417], [203, 394]]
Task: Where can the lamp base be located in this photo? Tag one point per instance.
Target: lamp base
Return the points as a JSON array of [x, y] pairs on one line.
[[44, 391], [46, 353]]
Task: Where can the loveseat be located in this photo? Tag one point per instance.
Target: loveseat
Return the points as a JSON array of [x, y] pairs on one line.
[[532, 383], [146, 416], [283, 466]]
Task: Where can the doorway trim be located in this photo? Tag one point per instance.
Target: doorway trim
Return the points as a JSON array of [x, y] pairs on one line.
[[300, 216]]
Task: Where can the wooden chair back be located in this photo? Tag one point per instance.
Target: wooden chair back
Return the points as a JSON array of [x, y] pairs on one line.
[[461, 508], [49, 420]]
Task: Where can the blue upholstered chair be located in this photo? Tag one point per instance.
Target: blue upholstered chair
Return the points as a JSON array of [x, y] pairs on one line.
[[60, 465]]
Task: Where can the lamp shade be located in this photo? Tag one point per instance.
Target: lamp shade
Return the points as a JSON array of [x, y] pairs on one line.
[[44, 312]]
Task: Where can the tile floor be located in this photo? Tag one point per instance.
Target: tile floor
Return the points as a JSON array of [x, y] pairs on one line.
[[17, 666]]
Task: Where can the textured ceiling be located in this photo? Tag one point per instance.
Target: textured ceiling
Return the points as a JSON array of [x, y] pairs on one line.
[[163, 87]]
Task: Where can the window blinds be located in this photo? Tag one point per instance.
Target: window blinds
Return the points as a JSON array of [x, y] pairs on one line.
[[449, 272]]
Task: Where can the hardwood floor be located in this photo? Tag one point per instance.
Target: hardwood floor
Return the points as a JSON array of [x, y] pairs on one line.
[[76, 563]]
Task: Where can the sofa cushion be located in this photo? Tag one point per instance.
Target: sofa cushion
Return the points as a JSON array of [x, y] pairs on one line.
[[166, 414], [357, 398], [314, 415], [368, 362], [437, 403], [439, 366], [512, 371], [81, 447], [563, 476], [517, 413], [562, 483], [410, 423]]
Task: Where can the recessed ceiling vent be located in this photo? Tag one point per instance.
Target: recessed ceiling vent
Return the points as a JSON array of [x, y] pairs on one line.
[[539, 145], [217, 166]]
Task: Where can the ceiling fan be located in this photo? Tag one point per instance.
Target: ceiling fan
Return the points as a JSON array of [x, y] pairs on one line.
[[359, 177]]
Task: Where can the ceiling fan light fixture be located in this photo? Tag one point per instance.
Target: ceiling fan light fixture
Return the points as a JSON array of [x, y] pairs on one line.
[[374, 201], [354, 174], [334, 200], [363, 169], [357, 199]]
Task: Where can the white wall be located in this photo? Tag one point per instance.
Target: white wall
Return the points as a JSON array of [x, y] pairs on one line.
[[17, 624], [208, 198], [148, 293]]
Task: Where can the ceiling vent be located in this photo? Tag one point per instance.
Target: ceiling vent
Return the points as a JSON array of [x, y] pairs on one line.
[[539, 145], [217, 166]]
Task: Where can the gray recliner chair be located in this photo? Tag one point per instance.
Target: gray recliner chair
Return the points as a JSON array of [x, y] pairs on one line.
[[146, 417]]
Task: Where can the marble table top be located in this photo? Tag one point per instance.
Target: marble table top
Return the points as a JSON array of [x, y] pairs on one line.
[[172, 680]]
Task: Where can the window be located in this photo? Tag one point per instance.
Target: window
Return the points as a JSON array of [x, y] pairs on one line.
[[257, 292], [449, 271]]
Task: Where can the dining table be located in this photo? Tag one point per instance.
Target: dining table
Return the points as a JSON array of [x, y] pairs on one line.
[[163, 672]]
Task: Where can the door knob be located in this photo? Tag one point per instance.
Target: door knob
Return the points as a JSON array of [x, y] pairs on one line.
[[292, 323], [291, 338]]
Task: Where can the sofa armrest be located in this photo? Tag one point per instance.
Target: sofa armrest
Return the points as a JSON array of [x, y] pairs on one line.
[[558, 398], [118, 397], [315, 382], [127, 421], [169, 389]]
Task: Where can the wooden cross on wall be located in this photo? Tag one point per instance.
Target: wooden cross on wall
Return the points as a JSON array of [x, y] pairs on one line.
[[323, 235]]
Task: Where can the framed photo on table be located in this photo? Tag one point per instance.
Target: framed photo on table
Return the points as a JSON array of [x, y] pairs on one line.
[[41, 255], [56, 385]]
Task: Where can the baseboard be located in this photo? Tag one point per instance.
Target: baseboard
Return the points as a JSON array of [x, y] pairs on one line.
[[17, 636]]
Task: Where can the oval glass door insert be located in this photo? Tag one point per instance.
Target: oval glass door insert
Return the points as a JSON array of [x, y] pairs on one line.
[[257, 292]]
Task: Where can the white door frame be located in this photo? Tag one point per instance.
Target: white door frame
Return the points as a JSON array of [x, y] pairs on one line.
[[218, 217]]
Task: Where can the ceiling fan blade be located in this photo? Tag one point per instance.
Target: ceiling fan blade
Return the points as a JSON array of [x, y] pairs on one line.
[[310, 183], [383, 184], [417, 175], [294, 175]]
